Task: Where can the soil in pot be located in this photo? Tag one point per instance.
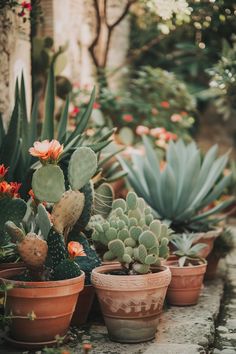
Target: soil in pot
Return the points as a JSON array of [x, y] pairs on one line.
[[52, 302], [186, 284], [131, 304]]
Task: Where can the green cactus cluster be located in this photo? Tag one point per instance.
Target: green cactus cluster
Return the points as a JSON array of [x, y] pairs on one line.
[[132, 235]]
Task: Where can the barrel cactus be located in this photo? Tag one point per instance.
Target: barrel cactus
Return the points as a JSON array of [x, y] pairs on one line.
[[132, 235]]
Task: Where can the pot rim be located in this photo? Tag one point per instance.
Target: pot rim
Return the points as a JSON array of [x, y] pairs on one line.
[[37, 284], [108, 267], [170, 265]]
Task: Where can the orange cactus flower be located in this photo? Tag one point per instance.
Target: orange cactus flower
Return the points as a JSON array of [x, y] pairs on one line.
[[10, 189], [15, 189], [5, 187], [156, 132], [3, 171], [75, 249], [47, 151]]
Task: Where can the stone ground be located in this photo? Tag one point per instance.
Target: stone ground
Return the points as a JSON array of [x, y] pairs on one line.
[[207, 328]]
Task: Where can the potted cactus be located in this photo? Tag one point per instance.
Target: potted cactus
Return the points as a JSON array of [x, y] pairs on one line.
[[182, 192], [131, 293], [50, 283], [187, 271]]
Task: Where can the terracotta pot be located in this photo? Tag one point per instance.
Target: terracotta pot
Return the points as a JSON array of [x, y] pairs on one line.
[[212, 264], [208, 238], [186, 284], [131, 303], [83, 306], [53, 303], [11, 265]]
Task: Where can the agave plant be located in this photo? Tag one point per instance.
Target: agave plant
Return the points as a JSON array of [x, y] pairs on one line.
[[185, 250], [182, 192], [22, 132]]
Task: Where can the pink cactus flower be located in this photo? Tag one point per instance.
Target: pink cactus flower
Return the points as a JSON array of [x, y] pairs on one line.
[[142, 130], [47, 150]]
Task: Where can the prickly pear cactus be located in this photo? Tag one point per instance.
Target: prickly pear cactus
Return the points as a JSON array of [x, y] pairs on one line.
[[43, 221], [11, 210], [91, 260], [132, 235], [67, 211], [48, 183], [33, 251], [82, 167], [16, 234], [56, 249], [67, 269], [85, 216]]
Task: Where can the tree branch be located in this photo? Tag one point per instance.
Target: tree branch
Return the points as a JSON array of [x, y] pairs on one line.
[[98, 29], [122, 16]]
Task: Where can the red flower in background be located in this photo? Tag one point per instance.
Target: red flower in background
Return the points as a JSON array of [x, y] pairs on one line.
[[127, 118], [165, 104], [75, 111], [10, 189], [96, 105], [26, 5], [3, 171]]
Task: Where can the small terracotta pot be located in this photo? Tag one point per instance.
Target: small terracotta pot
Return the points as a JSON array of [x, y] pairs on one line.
[[131, 304], [208, 238], [83, 306], [186, 284], [212, 264], [53, 303]]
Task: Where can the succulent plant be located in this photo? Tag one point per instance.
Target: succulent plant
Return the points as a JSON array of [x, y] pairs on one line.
[[132, 235], [185, 250], [186, 186], [224, 243]]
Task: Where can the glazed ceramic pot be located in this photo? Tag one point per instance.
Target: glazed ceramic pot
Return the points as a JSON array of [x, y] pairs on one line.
[[131, 304], [186, 284], [53, 303], [83, 306], [208, 238]]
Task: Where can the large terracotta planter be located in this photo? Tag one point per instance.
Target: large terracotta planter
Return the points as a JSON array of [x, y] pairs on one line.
[[131, 304], [53, 303], [83, 306], [208, 238], [186, 284]]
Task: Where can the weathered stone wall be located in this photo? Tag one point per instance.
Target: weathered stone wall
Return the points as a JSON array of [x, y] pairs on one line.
[[75, 24], [15, 58]]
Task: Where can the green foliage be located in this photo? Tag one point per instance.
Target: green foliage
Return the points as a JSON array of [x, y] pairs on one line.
[[56, 249], [185, 249], [187, 185], [129, 238], [223, 83]]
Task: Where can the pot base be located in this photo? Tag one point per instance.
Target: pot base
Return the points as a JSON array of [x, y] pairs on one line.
[[132, 330], [30, 345]]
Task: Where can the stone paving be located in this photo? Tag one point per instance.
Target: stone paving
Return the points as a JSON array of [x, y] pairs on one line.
[[225, 342]]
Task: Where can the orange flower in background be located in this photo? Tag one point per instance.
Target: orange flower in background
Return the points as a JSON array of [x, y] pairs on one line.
[[128, 118], [3, 171], [47, 150], [75, 249], [10, 189], [142, 130], [176, 118], [155, 132], [165, 104]]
